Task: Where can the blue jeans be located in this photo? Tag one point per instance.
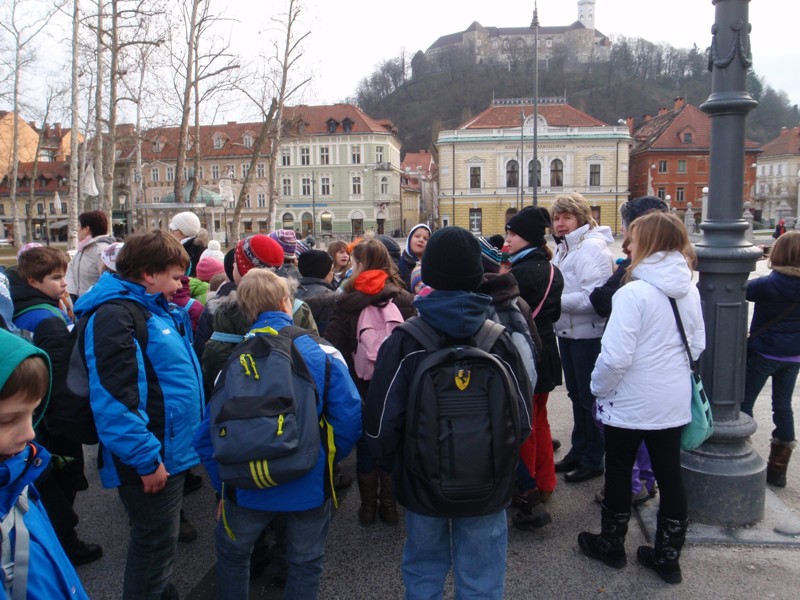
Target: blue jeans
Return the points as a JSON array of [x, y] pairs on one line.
[[155, 520], [305, 549], [578, 358], [784, 377], [474, 546]]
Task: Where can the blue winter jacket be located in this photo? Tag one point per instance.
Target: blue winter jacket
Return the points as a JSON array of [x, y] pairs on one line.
[[773, 294], [50, 574], [147, 403], [343, 415]]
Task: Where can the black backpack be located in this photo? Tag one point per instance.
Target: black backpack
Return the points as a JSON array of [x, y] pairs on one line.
[[263, 413], [69, 413], [462, 423]]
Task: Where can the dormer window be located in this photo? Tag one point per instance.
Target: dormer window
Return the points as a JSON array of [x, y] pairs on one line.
[[248, 141], [218, 143], [687, 137], [158, 146], [332, 125], [348, 125]]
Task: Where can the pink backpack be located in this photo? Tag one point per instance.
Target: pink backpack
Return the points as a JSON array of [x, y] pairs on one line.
[[375, 324]]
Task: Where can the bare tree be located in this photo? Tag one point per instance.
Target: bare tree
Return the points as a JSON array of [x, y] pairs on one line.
[[72, 208]]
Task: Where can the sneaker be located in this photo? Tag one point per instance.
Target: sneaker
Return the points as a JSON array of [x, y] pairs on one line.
[[81, 553], [187, 532]]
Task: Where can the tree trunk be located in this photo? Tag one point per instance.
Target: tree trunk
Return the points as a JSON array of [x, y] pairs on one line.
[[72, 208], [187, 103]]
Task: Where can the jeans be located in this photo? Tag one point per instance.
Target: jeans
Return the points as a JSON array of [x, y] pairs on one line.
[[305, 549], [155, 520], [474, 546], [664, 447], [784, 376], [578, 358]]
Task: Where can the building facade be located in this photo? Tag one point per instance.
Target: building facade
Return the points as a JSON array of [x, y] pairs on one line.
[[419, 188], [481, 183], [777, 183]]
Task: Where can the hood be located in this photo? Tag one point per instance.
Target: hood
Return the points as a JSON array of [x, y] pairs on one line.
[[18, 471], [25, 296], [573, 238], [370, 282], [183, 295], [501, 288], [111, 286], [667, 271], [273, 319], [455, 313], [411, 233]]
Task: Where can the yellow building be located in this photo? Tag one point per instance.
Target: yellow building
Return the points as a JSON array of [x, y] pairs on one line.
[[481, 183]]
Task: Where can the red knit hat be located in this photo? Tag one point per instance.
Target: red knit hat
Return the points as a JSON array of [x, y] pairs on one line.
[[257, 252]]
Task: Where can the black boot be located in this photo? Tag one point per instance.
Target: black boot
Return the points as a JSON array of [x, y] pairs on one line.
[[779, 454], [609, 545], [663, 559], [368, 488], [387, 509]]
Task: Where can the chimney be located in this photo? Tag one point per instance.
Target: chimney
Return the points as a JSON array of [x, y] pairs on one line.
[[629, 123], [662, 111], [58, 129], [647, 117], [231, 122], [680, 102], [32, 124]]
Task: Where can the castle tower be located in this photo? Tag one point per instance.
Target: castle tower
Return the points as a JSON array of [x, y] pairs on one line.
[[586, 13]]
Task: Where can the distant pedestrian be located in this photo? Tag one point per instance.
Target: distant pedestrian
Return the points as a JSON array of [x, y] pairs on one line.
[[780, 229], [85, 267], [187, 229]]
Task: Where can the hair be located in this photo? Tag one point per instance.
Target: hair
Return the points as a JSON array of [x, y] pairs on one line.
[[333, 248], [149, 253], [95, 220], [786, 250], [38, 263], [659, 232], [261, 290], [31, 378], [372, 255], [216, 281], [575, 204]]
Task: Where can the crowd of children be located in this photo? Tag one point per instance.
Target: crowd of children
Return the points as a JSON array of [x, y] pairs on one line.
[[162, 315]]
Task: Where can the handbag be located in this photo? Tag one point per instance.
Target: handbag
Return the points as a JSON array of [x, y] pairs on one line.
[[700, 428]]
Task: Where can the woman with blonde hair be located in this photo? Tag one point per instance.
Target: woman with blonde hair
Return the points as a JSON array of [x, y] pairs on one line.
[[642, 383]]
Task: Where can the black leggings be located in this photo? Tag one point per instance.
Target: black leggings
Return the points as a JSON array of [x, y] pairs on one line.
[[664, 447]]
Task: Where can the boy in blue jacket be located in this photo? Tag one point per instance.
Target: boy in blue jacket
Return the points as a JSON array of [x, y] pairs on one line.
[[305, 502], [39, 568]]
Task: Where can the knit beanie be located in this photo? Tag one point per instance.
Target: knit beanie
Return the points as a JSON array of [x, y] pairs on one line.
[[214, 250], [110, 254], [529, 224], [186, 222], [15, 350], [411, 234], [257, 252], [301, 247], [230, 258], [452, 260], [209, 266], [392, 246], [416, 278], [314, 263], [497, 241], [633, 209], [490, 256], [28, 246], [287, 240]]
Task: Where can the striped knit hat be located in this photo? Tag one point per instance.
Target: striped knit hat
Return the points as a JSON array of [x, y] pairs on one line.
[[257, 252]]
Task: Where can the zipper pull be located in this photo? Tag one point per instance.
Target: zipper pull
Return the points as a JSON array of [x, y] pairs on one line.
[[243, 362], [280, 424]]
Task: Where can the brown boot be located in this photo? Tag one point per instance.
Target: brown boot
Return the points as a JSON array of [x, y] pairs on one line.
[[388, 507], [368, 488], [779, 455]]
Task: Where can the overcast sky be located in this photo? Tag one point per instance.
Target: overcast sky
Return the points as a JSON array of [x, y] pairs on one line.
[[350, 37]]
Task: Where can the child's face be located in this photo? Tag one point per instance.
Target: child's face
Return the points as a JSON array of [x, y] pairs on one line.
[[16, 424], [515, 242], [342, 257], [418, 241], [53, 285], [564, 223], [167, 282]]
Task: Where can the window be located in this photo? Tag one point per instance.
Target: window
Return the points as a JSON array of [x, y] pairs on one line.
[[305, 156], [40, 208], [230, 172], [355, 155], [245, 169], [52, 208], [156, 199], [218, 142], [186, 173], [356, 185], [326, 223], [157, 146], [214, 171], [324, 155], [384, 185], [662, 193], [286, 158], [305, 186], [594, 175], [2, 209], [681, 166], [332, 123], [286, 186], [262, 200], [325, 186], [512, 179], [378, 153], [475, 220], [170, 175], [537, 177], [770, 169], [680, 194], [662, 166], [260, 170], [248, 141], [780, 169], [200, 172], [348, 125], [557, 173], [475, 178], [154, 174], [247, 201], [687, 137], [248, 225]]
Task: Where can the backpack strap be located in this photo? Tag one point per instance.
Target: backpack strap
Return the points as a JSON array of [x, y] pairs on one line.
[[43, 306], [16, 560], [426, 335], [488, 335], [227, 338]]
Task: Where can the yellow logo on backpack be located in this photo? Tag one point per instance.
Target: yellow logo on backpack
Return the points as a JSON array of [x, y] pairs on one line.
[[462, 380]]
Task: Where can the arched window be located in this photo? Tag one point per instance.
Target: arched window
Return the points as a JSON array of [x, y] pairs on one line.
[[537, 177], [384, 185], [557, 173], [512, 172], [288, 220]]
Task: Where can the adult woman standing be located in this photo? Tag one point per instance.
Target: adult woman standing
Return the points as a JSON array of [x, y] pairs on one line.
[[773, 348], [642, 383], [415, 247], [187, 229], [85, 267], [374, 282]]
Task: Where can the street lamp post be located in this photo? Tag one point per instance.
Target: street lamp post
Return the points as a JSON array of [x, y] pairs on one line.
[[313, 206], [724, 478], [46, 227], [535, 26], [122, 198]]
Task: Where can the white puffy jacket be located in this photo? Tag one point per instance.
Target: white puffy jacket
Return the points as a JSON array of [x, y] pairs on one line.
[[586, 263], [641, 378]]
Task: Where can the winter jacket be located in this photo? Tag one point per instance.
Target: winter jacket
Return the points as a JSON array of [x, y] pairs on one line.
[[85, 267], [147, 402], [51, 574], [205, 324], [641, 378], [458, 315], [773, 294], [601, 296], [370, 288], [343, 414], [49, 326], [198, 289], [321, 297], [532, 272], [585, 263], [405, 266], [183, 298]]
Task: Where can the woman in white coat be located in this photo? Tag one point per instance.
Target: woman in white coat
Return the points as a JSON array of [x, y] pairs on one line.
[[642, 384]]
